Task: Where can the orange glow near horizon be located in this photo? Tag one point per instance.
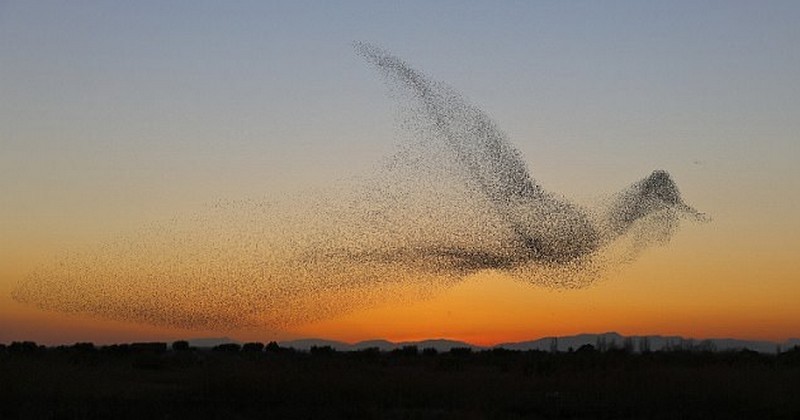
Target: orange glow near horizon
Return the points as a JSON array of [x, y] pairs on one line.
[[665, 293]]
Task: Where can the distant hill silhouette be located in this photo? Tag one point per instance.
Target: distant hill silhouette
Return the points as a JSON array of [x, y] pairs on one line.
[[211, 341], [562, 343], [439, 344], [383, 345], [307, 343], [652, 342]]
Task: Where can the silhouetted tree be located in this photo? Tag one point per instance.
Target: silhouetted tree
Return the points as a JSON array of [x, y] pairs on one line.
[[369, 353], [154, 347], [686, 344], [601, 344], [460, 351], [406, 351], [554, 345], [644, 345], [253, 347], [613, 345], [227, 347], [116, 349], [272, 347], [706, 346], [24, 347], [429, 351], [321, 350], [180, 345], [790, 357], [84, 347], [627, 345]]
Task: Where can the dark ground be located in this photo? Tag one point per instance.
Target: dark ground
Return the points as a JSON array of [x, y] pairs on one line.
[[86, 382]]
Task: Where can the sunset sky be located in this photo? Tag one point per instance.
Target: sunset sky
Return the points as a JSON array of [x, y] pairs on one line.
[[115, 115]]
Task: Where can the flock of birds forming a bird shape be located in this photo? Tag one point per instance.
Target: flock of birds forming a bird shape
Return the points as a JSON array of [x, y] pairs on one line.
[[456, 199]]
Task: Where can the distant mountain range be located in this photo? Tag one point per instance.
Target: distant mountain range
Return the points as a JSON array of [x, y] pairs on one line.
[[211, 341], [563, 343], [651, 342]]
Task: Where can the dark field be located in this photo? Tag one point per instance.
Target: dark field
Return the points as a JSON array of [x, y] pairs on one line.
[[151, 381]]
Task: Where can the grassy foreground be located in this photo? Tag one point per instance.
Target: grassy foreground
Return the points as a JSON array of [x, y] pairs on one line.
[[230, 382]]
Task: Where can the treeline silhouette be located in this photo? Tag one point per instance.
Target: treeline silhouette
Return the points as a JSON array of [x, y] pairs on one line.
[[254, 380]]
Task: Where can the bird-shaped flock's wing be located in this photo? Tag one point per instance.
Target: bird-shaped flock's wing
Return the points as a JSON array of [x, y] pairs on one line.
[[546, 227]]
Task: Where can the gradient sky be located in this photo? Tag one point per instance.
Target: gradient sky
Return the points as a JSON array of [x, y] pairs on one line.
[[116, 114]]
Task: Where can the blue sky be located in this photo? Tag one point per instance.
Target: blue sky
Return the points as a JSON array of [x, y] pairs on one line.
[[117, 113]]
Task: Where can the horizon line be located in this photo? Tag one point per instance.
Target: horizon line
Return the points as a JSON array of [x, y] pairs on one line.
[[227, 339]]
